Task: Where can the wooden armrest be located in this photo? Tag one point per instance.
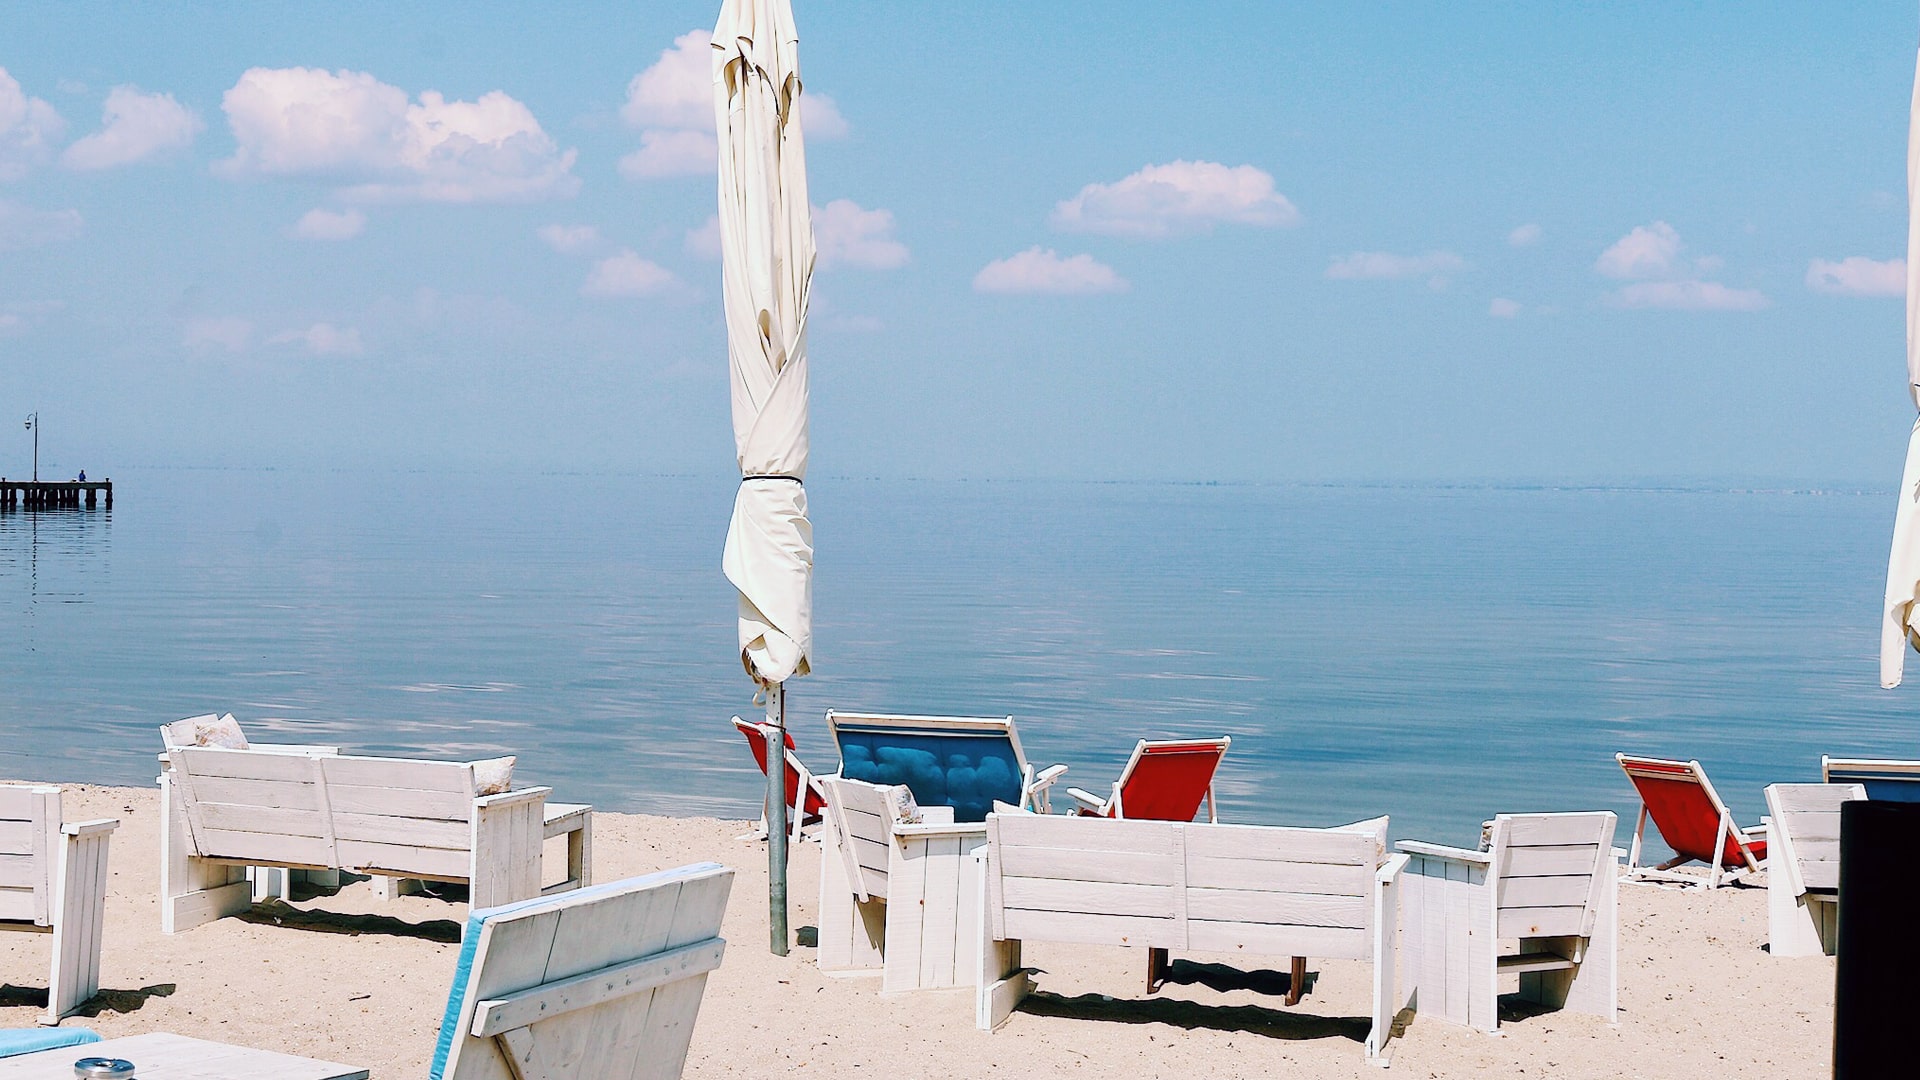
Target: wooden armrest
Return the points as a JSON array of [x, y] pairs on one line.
[[1086, 798], [510, 798], [1755, 830], [89, 828], [495, 1015], [1391, 869], [1048, 775], [935, 815], [1441, 851]]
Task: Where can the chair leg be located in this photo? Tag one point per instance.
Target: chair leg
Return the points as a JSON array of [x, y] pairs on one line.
[[1297, 981], [1156, 968]]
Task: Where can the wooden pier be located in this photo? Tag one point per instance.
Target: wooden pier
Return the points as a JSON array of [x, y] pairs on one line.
[[53, 494]]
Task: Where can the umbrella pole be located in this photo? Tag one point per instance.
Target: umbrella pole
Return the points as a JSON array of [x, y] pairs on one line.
[[777, 819]]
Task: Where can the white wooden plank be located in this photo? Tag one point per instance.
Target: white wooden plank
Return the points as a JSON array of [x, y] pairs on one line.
[[228, 817], [16, 904], [443, 776], [1805, 825], [1088, 929], [1543, 830], [16, 837], [1073, 864], [1565, 891], [399, 860], [1217, 872], [1045, 894], [1824, 876], [21, 872], [1549, 861], [1087, 834], [400, 802], [408, 831], [207, 761], [558, 997], [1518, 922], [265, 849], [18, 802], [1266, 842], [906, 917], [942, 905], [1340, 943], [1303, 909]]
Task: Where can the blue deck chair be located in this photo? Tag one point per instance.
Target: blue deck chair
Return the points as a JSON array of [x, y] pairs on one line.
[[965, 762], [1886, 779]]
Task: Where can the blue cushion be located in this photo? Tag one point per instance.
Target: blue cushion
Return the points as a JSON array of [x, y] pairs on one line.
[[1881, 786], [967, 770], [14, 1042], [470, 945]]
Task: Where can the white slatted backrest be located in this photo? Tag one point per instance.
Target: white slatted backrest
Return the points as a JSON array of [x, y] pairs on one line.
[[1549, 869], [29, 836], [572, 934], [863, 816], [347, 812], [1209, 887], [1806, 818]]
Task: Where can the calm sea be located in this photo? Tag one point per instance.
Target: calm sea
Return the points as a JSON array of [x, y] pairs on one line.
[[1437, 654]]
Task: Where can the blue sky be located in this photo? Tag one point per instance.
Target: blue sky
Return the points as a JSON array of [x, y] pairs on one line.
[[1227, 241]]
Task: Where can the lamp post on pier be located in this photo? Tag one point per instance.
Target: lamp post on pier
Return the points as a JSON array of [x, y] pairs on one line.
[[33, 425]]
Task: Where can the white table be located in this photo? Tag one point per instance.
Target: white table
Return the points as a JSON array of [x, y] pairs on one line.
[[165, 1056]]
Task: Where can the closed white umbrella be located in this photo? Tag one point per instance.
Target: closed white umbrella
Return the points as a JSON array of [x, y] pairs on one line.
[[766, 246], [1898, 618]]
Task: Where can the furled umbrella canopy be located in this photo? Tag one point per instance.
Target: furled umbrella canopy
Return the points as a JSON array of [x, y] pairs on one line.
[[766, 244], [1900, 614]]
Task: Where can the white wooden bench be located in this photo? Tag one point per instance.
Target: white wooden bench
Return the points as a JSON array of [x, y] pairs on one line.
[[897, 896], [225, 810], [1803, 866], [53, 880], [1548, 881], [1236, 889]]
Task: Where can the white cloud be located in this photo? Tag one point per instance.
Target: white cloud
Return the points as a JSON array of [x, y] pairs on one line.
[[1649, 251], [672, 153], [1044, 271], [677, 91], [134, 126], [704, 242], [24, 227], [820, 117], [846, 234], [1384, 266], [355, 129], [570, 239], [1178, 197], [323, 339], [1503, 308], [28, 129], [1857, 275], [320, 223], [227, 332], [1524, 236], [627, 274], [1688, 296], [1650, 259]]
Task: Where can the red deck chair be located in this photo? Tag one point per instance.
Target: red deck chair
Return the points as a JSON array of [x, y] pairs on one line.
[[799, 780], [1163, 781], [1691, 819], [1167, 781]]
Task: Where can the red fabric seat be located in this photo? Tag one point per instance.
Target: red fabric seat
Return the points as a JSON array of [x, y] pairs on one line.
[[1163, 781], [757, 739], [1689, 814]]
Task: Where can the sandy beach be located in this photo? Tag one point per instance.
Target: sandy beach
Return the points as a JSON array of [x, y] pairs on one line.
[[347, 978]]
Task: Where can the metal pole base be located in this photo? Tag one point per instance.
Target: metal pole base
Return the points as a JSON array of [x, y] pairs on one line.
[[777, 820]]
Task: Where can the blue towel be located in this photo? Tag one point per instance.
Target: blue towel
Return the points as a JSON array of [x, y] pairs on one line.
[[14, 1042]]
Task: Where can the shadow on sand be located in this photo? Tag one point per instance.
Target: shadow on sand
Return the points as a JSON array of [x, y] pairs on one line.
[[106, 1001], [274, 913], [1191, 1015]]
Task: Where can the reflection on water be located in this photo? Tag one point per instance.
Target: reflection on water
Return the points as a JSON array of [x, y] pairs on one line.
[[1439, 654]]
